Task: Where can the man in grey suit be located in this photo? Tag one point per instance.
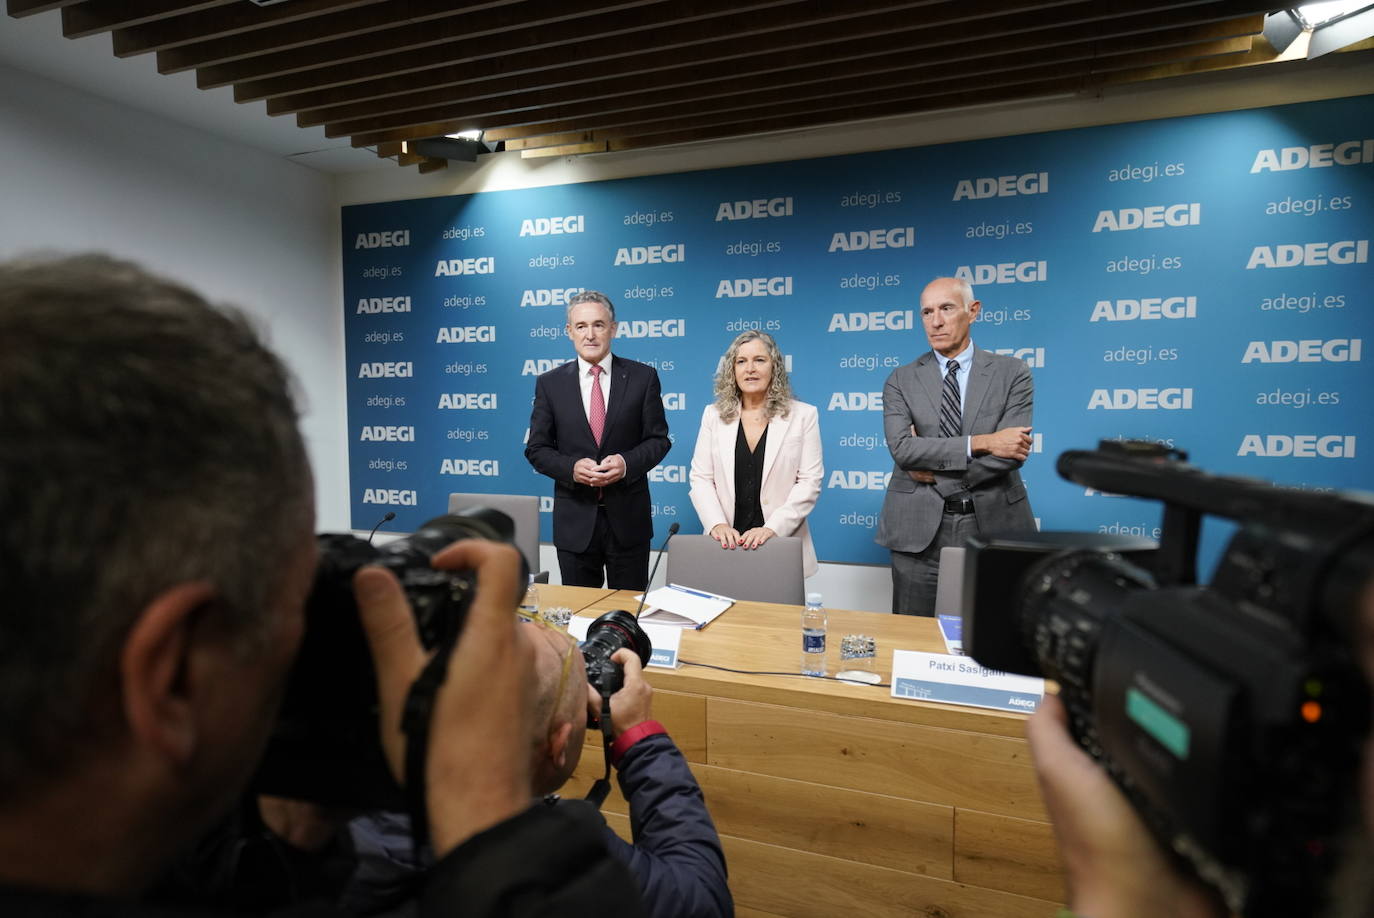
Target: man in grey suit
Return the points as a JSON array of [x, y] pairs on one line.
[[957, 421]]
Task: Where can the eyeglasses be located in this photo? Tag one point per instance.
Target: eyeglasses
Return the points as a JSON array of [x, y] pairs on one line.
[[568, 654]]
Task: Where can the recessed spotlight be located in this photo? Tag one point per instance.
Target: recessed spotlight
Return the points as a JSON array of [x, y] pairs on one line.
[[1323, 26], [1317, 14]]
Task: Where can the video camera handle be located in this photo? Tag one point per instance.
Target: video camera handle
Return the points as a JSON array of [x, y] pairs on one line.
[[1332, 524], [1164, 474]]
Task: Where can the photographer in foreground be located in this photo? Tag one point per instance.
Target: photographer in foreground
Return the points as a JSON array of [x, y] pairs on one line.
[[1114, 868], [676, 858], [1209, 748], [157, 551]]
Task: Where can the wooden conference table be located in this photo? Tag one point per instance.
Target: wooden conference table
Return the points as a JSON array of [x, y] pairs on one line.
[[834, 799]]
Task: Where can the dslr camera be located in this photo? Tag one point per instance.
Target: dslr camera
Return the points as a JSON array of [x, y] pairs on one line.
[[326, 744], [606, 635], [1231, 714]]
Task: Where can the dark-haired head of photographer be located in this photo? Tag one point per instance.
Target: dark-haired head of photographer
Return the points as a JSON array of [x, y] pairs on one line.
[[1113, 866], [156, 555]]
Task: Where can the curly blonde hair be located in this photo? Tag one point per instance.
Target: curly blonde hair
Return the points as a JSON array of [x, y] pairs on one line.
[[779, 399]]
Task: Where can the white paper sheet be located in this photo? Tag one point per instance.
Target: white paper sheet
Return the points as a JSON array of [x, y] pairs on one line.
[[683, 606]]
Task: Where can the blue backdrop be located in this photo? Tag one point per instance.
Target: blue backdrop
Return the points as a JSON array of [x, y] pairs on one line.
[[1201, 281]]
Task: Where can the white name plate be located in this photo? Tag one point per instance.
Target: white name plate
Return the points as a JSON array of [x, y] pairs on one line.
[[960, 680], [665, 638]]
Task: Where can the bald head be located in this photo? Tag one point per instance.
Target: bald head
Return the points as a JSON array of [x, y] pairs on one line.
[[560, 714], [947, 313]]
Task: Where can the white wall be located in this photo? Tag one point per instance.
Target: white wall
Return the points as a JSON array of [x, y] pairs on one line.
[[853, 586], [240, 226]]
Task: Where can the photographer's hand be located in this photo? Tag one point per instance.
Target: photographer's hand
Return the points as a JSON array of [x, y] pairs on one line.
[[1112, 865], [478, 773], [302, 824], [632, 705]]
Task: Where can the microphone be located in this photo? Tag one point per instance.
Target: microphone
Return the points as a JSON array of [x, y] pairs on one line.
[[672, 531], [390, 515]]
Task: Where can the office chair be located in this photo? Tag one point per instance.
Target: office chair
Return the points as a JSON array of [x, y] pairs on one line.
[[523, 509], [770, 573], [949, 583]]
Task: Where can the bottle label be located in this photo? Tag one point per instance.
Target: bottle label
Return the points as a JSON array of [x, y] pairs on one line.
[[813, 643]]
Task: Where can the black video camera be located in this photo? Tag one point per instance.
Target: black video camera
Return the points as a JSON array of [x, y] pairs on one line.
[[1231, 714], [326, 745]]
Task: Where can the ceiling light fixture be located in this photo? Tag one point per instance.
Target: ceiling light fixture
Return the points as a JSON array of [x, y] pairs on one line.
[[1328, 25], [450, 147]]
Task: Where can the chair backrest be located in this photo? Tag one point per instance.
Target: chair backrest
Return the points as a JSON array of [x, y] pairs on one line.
[[770, 573], [522, 508], [949, 585]]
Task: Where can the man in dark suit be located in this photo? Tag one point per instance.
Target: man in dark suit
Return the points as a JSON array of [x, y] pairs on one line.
[[957, 421], [597, 428]]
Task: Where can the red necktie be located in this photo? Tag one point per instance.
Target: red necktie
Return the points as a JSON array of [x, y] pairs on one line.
[[598, 409]]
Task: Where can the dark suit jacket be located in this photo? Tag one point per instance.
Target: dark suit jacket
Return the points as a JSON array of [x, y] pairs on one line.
[[560, 435], [999, 395]]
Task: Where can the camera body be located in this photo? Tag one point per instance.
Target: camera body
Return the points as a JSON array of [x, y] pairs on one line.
[[606, 635], [325, 746], [1231, 714]]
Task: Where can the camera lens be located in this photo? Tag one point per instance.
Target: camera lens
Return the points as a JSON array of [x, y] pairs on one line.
[[438, 533], [606, 635], [1067, 597], [434, 593]]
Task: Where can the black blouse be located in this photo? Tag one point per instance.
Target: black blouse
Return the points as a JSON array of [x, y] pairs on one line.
[[748, 481]]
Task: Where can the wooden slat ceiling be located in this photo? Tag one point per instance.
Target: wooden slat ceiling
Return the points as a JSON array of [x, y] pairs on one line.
[[585, 76]]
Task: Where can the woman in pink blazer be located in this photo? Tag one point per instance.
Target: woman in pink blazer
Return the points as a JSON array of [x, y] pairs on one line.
[[756, 470]]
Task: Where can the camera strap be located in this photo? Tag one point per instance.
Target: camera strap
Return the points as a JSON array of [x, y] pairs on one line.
[[415, 724], [602, 786]]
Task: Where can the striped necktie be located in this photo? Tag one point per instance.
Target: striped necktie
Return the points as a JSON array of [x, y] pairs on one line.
[[951, 415]]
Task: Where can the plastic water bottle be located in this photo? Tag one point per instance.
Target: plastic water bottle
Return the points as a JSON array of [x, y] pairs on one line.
[[529, 605], [813, 636]]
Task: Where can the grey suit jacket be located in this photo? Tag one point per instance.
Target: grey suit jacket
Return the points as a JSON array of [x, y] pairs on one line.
[[999, 395]]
